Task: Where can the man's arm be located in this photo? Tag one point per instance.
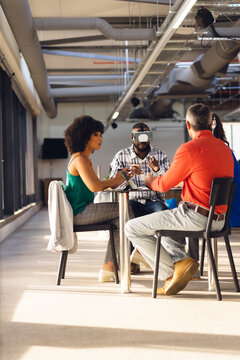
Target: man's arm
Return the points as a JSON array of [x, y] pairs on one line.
[[115, 165], [163, 163], [178, 171], [160, 163]]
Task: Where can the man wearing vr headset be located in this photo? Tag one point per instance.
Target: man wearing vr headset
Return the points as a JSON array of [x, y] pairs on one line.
[[142, 159]]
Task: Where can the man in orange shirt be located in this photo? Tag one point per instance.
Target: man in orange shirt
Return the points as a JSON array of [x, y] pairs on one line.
[[196, 163]]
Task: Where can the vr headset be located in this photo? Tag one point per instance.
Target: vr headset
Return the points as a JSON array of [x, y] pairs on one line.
[[142, 136]]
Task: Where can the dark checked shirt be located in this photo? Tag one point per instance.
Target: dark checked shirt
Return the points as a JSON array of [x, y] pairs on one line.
[[127, 157]]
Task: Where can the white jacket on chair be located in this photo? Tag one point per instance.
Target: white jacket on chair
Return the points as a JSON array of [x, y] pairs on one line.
[[61, 219]]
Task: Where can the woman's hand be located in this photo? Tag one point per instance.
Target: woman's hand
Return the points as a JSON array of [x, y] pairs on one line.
[[119, 179]]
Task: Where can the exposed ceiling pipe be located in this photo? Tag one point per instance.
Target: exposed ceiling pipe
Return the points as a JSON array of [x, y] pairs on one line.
[[103, 26], [87, 91], [89, 56], [201, 73], [165, 32], [13, 63], [20, 19], [78, 83], [83, 77], [224, 32]]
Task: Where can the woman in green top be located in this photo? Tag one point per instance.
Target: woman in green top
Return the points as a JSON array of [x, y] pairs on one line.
[[82, 137]]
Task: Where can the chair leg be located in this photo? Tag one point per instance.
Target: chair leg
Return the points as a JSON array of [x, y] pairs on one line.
[[210, 253], [61, 266], [156, 269], [115, 265], [193, 248], [234, 273], [202, 257], [64, 265]]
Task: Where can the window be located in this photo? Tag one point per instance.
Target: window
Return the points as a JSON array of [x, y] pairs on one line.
[[13, 150], [232, 131]]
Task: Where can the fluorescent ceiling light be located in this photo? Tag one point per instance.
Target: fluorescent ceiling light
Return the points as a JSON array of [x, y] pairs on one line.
[[115, 115], [165, 36], [182, 13]]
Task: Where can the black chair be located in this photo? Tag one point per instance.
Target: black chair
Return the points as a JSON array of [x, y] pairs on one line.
[[93, 227], [222, 192]]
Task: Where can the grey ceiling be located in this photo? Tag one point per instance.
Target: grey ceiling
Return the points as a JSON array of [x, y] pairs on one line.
[[116, 49]]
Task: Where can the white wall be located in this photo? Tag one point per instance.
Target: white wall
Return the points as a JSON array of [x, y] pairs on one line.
[[166, 135], [54, 128]]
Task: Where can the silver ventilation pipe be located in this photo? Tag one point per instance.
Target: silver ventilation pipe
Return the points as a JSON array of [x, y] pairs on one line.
[[90, 56], [223, 32], [201, 73], [20, 19], [94, 23], [63, 78], [87, 91], [214, 60]]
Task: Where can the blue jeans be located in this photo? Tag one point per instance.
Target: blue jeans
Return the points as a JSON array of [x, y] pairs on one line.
[[149, 207]]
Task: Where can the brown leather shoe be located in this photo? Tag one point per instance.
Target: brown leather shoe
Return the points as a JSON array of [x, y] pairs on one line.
[[135, 268], [183, 272], [161, 291]]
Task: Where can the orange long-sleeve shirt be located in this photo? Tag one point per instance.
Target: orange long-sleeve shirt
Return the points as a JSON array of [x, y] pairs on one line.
[[197, 163]]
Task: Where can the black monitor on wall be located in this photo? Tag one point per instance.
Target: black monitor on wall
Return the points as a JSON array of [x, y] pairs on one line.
[[54, 148]]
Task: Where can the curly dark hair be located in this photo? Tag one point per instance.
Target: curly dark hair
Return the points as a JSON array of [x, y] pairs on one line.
[[218, 130], [79, 132]]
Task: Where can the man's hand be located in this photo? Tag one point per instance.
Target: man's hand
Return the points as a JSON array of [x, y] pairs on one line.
[[136, 169], [154, 164], [148, 179], [128, 171]]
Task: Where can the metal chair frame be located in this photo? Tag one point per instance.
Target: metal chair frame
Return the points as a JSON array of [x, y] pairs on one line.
[[222, 191], [91, 227]]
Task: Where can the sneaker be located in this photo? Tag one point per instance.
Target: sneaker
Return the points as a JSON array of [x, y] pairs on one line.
[[107, 276], [137, 258]]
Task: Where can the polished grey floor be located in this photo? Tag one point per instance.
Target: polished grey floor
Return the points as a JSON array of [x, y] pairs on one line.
[[85, 319]]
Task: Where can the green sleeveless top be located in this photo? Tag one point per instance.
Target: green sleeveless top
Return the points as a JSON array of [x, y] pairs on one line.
[[77, 193]]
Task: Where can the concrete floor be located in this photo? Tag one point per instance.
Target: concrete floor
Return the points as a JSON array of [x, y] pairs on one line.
[[84, 319]]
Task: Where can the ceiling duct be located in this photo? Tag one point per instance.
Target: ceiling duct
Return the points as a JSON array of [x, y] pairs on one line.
[[200, 74], [94, 23], [19, 17], [158, 109], [87, 91], [223, 32]]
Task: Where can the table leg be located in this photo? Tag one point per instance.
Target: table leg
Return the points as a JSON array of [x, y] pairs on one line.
[[211, 282], [124, 244]]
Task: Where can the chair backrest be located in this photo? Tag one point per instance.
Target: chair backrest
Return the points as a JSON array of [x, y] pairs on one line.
[[222, 192], [230, 204]]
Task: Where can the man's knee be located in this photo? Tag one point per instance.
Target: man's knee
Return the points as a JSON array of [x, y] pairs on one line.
[[129, 227]]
